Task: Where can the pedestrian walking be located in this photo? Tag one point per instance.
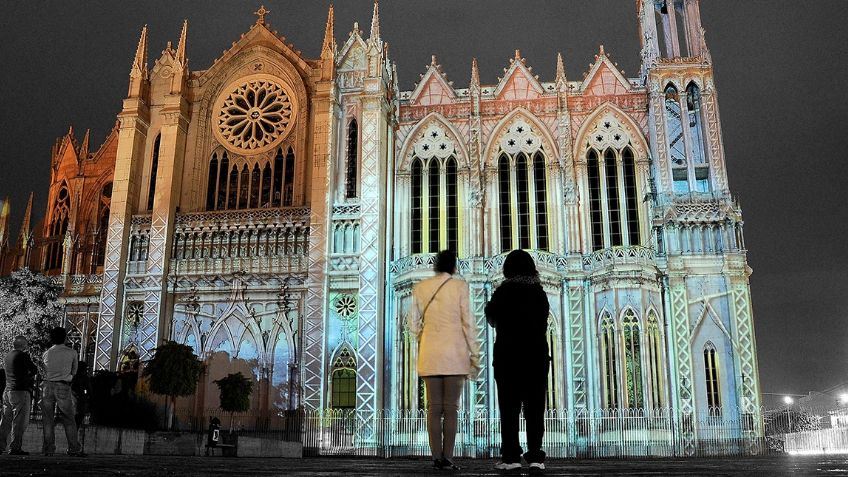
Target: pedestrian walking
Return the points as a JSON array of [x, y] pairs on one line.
[[448, 351], [60, 367], [20, 374], [519, 312]]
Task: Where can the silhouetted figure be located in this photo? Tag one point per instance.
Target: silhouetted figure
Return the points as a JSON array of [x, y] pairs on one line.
[[60, 367], [519, 312], [81, 388], [20, 374]]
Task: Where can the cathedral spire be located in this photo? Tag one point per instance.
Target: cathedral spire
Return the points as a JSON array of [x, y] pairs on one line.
[[83, 150], [375, 22], [181, 45], [329, 46]]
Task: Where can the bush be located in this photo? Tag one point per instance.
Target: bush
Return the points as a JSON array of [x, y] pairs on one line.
[[114, 402]]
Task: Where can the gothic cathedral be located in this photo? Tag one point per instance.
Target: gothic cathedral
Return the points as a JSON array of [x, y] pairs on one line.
[[278, 209]]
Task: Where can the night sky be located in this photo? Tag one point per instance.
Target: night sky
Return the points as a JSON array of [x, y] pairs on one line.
[[780, 74]]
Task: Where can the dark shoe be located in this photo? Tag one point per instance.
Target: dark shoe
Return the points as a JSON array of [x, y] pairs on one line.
[[18, 452], [78, 454], [437, 464], [447, 464]]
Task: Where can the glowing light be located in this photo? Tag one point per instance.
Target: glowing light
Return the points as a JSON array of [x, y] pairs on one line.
[[788, 400], [843, 398]]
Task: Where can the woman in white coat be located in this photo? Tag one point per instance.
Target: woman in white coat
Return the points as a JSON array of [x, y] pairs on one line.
[[448, 351]]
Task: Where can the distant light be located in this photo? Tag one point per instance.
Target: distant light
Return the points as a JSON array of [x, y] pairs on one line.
[[843, 398], [788, 400]]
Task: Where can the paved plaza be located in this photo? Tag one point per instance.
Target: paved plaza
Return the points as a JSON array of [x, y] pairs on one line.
[[328, 466]]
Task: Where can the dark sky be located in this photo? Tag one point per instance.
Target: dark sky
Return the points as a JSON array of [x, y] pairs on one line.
[[780, 74]]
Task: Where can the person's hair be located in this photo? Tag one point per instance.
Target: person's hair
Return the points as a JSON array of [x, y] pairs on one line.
[[58, 335], [20, 342], [445, 262], [519, 263]]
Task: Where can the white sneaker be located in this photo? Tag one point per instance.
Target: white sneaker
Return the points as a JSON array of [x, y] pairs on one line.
[[535, 466], [508, 466]]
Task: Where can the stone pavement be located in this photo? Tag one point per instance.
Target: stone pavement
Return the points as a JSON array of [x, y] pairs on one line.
[[330, 466]]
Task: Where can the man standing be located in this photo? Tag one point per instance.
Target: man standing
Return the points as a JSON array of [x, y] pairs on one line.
[[60, 366], [17, 397]]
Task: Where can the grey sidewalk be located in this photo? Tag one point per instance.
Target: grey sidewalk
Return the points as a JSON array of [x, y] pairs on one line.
[[328, 466]]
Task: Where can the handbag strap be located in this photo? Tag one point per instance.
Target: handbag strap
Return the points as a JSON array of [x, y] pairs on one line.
[[424, 312]]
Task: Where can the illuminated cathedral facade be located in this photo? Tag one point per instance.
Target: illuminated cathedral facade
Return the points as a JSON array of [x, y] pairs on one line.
[[280, 208]]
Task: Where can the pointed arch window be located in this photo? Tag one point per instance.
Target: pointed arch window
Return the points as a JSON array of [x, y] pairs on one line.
[[58, 229], [632, 360], [522, 184], [552, 398], [655, 346], [242, 183], [352, 159], [435, 205], [613, 198], [711, 375], [102, 230], [154, 170], [609, 362], [685, 130], [343, 381]]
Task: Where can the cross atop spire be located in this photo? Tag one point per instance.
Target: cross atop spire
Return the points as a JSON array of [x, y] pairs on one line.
[[260, 15], [375, 22], [560, 69]]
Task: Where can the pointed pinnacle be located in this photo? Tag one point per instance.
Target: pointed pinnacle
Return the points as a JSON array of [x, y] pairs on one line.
[[181, 46], [560, 68], [140, 61], [329, 36], [475, 73], [602, 52], [433, 60], [517, 54], [375, 22]]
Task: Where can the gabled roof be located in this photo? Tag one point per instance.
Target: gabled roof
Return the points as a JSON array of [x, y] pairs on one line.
[[604, 77], [434, 87], [518, 81], [352, 54], [259, 34]]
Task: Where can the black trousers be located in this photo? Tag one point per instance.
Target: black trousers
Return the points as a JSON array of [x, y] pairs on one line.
[[525, 388]]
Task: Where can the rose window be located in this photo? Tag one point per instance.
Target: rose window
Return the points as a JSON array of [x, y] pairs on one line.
[[135, 311], [254, 115], [345, 306]]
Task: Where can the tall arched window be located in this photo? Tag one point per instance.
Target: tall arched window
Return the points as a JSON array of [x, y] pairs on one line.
[[522, 184], [554, 349], [688, 173], [435, 214], [343, 381], [58, 228], [522, 189], [352, 159], [712, 379], [102, 232], [609, 362], [676, 144], [240, 183], [632, 360], [696, 132], [655, 346], [154, 169], [613, 198]]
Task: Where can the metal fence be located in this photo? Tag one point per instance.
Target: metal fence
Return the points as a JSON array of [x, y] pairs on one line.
[[623, 433]]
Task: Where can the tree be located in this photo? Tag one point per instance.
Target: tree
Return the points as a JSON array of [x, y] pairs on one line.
[[173, 371], [235, 394], [29, 306]]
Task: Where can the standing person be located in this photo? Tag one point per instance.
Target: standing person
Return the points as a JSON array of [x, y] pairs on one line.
[[519, 311], [60, 367], [448, 351], [81, 389], [17, 397]]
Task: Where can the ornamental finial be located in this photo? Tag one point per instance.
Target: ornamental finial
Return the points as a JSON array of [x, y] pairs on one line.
[[260, 15]]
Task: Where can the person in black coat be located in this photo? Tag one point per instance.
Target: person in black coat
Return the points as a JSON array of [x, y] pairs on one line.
[[519, 312]]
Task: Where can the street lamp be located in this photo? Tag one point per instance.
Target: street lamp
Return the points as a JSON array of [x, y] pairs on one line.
[[788, 400], [843, 398]]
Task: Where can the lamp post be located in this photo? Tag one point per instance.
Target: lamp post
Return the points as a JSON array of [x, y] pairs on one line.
[[788, 401]]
